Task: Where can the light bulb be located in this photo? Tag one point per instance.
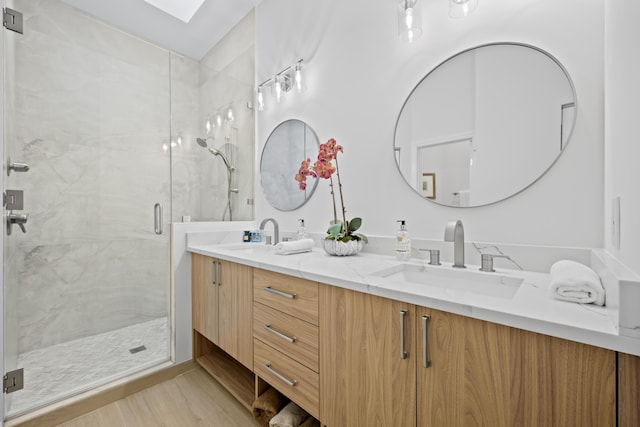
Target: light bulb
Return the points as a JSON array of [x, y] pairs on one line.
[[408, 17], [219, 119], [165, 147], [278, 88], [409, 20], [179, 140], [230, 116], [298, 78], [461, 8], [207, 125], [260, 99]]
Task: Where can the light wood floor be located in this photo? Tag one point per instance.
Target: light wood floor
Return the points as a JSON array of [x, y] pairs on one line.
[[190, 399]]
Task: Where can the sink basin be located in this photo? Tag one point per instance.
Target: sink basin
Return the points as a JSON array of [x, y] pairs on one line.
[[447, 278]]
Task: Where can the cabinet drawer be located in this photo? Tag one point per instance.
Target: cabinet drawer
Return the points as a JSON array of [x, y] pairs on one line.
[[287, 334], [292, 379], [291, 295]]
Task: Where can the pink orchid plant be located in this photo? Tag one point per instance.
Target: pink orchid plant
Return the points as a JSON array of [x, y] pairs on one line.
[[323, 168]]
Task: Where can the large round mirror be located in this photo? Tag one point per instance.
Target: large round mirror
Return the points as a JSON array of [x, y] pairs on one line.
[[290, 142], [484, 125]]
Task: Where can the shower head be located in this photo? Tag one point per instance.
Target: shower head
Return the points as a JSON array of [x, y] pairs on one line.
[[202, 142]]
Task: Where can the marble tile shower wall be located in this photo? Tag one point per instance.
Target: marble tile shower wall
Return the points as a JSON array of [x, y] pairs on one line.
[[91, 116], [223, 78], [227, 79]]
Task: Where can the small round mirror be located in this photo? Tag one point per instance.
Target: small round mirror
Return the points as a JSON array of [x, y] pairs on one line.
[[484, 125], [290, 142]]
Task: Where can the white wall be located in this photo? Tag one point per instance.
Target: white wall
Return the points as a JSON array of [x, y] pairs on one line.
[[359, 75], [622, 143]]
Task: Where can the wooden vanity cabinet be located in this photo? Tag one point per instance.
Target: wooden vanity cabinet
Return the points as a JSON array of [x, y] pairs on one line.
[[204, 296], [485, 374], [364, 379], [222, 299], [222, 312], [286, 335]]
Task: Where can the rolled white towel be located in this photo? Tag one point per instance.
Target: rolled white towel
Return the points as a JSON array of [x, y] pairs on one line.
[[575, 282], [294, 247], [291, 416]]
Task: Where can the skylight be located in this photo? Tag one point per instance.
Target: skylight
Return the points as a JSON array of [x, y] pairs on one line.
[[181, 9]]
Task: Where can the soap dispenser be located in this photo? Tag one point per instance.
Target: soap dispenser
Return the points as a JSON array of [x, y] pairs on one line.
[[302, 232], [403, 242]]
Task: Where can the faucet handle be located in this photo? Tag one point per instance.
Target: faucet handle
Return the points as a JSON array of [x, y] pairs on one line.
[[434, 256], [487, 261]]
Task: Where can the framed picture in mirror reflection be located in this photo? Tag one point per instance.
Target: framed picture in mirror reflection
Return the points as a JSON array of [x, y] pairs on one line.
[[429, 185]]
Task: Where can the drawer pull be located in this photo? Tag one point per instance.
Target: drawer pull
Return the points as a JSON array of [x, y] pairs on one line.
[[268, 328], [280, 293], [281, 377]]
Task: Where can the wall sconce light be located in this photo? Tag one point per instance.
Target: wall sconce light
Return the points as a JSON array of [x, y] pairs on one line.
[[409, 20], [461, 8], [281, 83], [260, 98]]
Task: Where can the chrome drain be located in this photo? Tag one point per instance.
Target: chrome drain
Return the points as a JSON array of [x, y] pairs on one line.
[[138, 349]]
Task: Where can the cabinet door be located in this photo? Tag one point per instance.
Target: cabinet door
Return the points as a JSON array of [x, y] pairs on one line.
[[235, 308], [628, 390], [487, 374], [364, 381], [204, 297]]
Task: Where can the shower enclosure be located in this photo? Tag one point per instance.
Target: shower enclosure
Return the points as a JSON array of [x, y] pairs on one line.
[[87, 261], [108, 125]]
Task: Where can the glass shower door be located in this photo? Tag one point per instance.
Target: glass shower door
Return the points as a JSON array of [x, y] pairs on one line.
[[87, 281]]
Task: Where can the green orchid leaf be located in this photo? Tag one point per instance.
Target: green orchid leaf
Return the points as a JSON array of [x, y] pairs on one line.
[[334, 229], [354, 224], [361, 237]]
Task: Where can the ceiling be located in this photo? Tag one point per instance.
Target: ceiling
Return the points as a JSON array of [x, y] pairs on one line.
[[194, 39]]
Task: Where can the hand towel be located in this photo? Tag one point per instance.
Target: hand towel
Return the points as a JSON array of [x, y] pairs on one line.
[[294, 247], [575, 282], [291, 416], [266, 406]]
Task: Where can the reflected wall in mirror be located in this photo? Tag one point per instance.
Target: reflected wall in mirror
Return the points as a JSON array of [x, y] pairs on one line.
[[290, 142], [485, 124]]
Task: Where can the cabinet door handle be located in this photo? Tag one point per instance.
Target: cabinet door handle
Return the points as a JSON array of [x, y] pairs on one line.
[[214, 272], [281, 377], [218, 273], [403, 352], [426, 363], [280, 293], [268, 327]]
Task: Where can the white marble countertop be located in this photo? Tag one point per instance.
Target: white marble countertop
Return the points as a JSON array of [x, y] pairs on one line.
[[531, 308]]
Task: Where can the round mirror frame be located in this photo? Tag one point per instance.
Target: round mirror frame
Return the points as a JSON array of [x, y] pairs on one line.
[[533, 181], [311, 187]]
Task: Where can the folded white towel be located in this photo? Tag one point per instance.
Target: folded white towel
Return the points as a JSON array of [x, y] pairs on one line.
[[291, 416], [575, 282], [294, 247]]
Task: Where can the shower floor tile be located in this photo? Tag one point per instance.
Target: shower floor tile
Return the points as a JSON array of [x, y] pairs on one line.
[[61, 370]]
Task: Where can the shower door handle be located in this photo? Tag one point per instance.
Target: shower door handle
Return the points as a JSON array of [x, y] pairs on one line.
[[157, 218]]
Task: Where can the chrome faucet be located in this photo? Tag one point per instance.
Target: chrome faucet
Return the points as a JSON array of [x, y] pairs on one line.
[[454, 232], [276, 228]]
